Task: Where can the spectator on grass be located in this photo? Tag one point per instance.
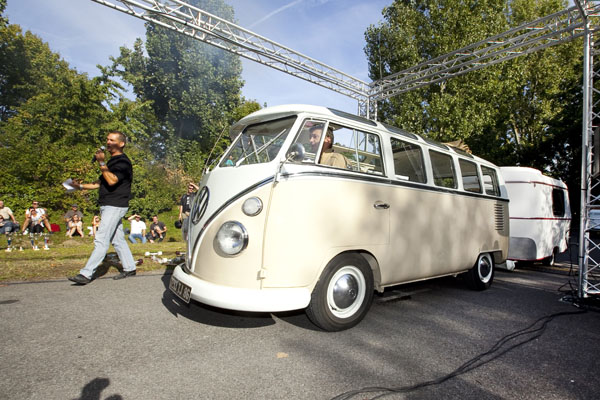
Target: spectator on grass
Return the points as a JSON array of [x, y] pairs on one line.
[[75, 226], [185, 204], [158, 230], [40, 214], [138, 229], [95, 225], [68, 217], [9, 224]]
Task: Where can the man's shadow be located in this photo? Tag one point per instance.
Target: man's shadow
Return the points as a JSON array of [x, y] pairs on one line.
[[93, 389]]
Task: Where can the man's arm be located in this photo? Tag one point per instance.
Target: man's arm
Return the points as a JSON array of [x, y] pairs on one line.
[[86, 186], [12, 217]]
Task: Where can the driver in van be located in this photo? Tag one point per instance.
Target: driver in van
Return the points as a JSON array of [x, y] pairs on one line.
[[328, 157]]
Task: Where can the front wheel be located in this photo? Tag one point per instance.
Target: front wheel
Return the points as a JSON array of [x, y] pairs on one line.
[[343, 294], [480, 277]]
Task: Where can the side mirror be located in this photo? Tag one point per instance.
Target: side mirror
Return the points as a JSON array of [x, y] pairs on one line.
[[295, 153]]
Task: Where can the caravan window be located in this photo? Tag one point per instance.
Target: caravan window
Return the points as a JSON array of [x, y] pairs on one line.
[[490, 181], [408, 161], [558, 202], [443, 169], [470, 178]]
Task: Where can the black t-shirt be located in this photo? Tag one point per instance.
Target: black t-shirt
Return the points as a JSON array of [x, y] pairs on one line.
[[119, 194], [186, 202]]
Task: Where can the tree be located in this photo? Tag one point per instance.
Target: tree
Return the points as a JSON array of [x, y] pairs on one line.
[[194, 88], [507, 113], [52, 120]]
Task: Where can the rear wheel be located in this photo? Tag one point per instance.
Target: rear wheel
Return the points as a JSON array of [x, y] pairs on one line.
[[343, 294], [549, 261], [480, 277]]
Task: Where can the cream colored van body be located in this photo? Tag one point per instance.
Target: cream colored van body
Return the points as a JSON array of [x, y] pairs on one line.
[[313, 216]]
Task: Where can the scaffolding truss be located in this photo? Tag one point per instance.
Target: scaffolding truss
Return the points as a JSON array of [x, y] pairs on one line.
[[211, 29], [589, 243]]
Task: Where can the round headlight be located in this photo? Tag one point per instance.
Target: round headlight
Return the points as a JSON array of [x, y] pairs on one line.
[[252, 206], [232, 238]]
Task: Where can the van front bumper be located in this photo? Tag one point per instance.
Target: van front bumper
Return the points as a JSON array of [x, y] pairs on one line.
[[231, 298]]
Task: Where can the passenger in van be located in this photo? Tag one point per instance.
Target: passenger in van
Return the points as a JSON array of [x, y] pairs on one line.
[[328, 157]]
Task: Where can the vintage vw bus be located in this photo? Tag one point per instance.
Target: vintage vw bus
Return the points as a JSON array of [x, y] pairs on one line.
[[313, 208]]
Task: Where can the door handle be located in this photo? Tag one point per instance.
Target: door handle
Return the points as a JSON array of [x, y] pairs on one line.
[[381, 206]]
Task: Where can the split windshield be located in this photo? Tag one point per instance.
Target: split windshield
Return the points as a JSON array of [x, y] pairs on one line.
[[259, 143]]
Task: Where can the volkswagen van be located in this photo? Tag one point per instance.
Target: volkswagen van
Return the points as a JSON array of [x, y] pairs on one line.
[[313, 208]]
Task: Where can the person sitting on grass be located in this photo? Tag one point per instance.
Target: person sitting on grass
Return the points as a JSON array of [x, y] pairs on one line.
[[75, 226], [95, 225], [158, 230], [138, 229], [34, 224]]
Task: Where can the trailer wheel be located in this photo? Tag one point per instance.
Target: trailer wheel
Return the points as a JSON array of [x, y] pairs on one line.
[[343, 294], [480, 277], [549, 261]]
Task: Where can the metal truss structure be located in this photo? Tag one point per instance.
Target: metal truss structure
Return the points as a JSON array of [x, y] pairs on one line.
[[548, 31], [208, 28], [589, 247], [581, 20]]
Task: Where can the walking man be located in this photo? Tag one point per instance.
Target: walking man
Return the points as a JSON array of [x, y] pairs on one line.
[[114, 186]]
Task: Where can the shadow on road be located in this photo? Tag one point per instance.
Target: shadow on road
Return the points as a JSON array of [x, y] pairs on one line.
[[93, 389]]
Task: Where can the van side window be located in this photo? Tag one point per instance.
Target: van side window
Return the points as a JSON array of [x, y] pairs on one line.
[[558, 202], [443, 169], [470, 178], [310, 138], [408, 161], [490, 181], [362, 150]]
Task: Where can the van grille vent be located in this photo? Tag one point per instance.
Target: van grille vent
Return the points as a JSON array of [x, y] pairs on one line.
[[499, 216]]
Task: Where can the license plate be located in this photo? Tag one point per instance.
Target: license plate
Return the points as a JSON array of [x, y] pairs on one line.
[[182, 290]]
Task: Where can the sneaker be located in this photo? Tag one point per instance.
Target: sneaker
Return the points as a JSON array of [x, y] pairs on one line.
[[8, 250], [46, 248], [20, 248], [124, 274], [36, 248], [81, 279]]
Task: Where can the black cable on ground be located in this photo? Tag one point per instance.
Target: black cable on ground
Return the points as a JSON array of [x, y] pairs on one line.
[[526, 335]]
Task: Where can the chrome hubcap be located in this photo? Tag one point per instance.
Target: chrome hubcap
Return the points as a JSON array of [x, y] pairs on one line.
[[485, 269], [346, 292]]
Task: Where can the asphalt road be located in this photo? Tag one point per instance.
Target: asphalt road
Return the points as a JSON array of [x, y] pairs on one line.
[[130, 339]]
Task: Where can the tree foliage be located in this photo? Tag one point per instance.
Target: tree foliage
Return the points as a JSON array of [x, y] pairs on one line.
[[52, 118], [513, 113], [194, 89]]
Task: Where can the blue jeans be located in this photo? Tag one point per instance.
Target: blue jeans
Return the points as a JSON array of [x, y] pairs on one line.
[[110, 230], [134, 236], [9, 227]]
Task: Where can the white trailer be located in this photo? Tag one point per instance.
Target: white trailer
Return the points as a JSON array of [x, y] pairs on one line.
[[540, 215]]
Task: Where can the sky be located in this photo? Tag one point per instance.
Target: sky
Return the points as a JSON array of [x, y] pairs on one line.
[[86, 34]]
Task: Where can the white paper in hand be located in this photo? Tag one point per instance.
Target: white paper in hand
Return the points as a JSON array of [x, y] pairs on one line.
[[68, 185]]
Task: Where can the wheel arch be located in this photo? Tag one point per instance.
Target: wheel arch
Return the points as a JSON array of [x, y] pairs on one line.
[[369, 258]]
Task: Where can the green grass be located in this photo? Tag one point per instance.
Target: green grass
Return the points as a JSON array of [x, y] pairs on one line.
[[68, 255]]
